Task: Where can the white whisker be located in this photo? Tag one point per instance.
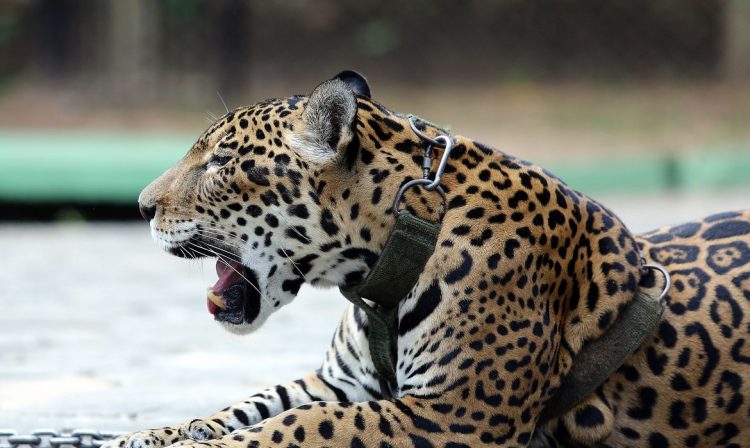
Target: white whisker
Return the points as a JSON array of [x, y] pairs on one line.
[[225, 237], [217, 240], [225, 252], [207, 233], [292, 261], [222, 101], [289, 225], [221, 232]]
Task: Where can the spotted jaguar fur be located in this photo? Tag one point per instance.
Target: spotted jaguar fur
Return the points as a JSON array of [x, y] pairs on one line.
[[526, 271]]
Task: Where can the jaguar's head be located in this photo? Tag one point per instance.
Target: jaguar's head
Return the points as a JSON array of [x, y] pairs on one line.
[[280, 195]]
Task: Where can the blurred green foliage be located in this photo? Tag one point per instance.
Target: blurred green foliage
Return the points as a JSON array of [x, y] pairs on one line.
[[10, 29], [379, 37], [183, 11]]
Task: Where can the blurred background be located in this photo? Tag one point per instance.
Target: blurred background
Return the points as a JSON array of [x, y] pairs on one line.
[[643, 104]]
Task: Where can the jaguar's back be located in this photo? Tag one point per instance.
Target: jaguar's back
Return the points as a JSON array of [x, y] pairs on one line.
[[687, 385]]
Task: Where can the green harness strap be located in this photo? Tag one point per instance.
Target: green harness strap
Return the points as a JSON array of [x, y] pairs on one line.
[[598, 359], [395, 273], [402, 262]]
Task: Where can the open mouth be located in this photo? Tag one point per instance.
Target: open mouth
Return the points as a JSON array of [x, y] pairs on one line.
[[234, 298]]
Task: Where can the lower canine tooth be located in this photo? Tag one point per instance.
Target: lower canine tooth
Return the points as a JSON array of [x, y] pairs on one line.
[[216, 299]]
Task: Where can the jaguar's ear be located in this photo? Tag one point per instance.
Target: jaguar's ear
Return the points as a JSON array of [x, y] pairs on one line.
[[356, 81], [329, 118]]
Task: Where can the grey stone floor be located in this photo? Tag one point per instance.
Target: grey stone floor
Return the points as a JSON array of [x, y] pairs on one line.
[[98, 328]]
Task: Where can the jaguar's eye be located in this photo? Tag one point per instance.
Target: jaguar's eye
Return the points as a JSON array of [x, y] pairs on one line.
[[218, 160]]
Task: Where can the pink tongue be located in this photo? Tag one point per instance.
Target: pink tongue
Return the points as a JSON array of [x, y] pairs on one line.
[[227, 276]]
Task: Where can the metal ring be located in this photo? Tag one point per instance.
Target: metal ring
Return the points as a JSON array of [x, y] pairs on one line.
[[667, 278], [413, 183], [423, 136]]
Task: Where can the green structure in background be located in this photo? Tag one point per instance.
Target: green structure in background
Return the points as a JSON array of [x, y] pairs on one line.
[[83, 167], [53, 166]]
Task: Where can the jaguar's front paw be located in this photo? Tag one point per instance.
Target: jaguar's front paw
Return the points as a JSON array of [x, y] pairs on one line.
[[156, 438], [203, 430], [237, 439], [151, 438]]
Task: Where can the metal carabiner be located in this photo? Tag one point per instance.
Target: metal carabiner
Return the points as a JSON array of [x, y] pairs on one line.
[[442, 141], [448, 143], [422, 135], [428, 184]]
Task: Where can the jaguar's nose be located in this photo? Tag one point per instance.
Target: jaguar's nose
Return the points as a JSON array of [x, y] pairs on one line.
[[147, 211]]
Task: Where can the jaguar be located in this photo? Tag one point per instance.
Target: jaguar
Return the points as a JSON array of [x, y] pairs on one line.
[[525, 273]]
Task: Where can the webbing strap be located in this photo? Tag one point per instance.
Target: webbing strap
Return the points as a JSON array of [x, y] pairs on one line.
[[404, 256], [598, 359], [381, 324], [402, 261]]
